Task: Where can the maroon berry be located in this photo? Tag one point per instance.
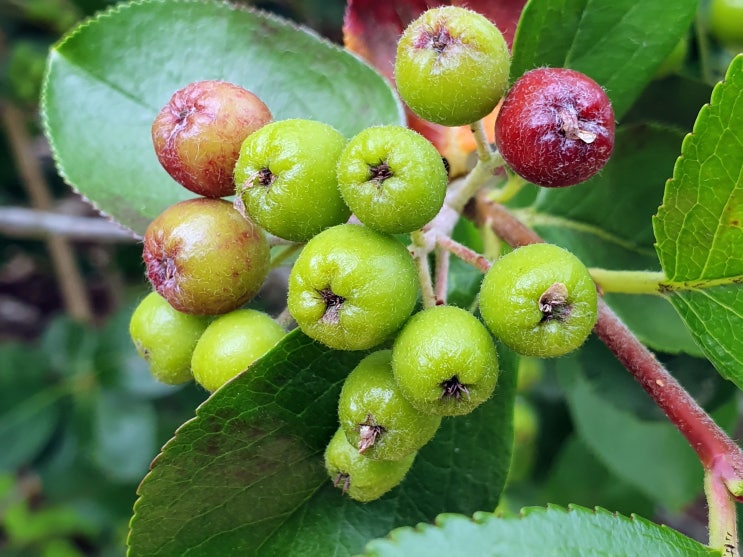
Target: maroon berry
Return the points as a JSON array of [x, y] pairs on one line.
[[556, 127], [197, 135], [204, 257]]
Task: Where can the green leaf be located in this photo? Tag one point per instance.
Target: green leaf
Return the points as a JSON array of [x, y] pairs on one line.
[[619, 43], [699, 228], [27, 403], [125, 436], [607, 222], [108, 79], [578, 477], [609, 421], [462, 469], [552, 531], [246, 476]]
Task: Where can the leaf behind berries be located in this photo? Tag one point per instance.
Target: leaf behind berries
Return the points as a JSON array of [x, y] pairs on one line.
[[618, 44], [565, 532], [109, 77], [699, 228]]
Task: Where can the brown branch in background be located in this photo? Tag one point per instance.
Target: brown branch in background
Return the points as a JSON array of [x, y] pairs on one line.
[[709, 441], [21, 222], [74, 294]]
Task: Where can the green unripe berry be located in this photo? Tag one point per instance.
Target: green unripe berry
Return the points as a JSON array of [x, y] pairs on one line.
[[286, 178], [392, 178], [166, 338], [444, 361], [362, 478], [352, 287], [726, 22], [452, 66], [376, 417], [230, 344], [539, 300]]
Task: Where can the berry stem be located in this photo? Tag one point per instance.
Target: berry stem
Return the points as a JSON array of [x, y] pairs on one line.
[[628, 282], [420, 249], [441, 275], [484, 150], [716, 450], [483, 173], [464, 253], [513, 186]]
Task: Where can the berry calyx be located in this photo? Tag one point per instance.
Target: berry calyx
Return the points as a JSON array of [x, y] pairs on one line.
[[197, 135], [362, 478], [539, 300], [286, 178], [352, 287], [555, 127], [165, 338], [203, 257], [230, 344], [392, 178], [451, 66], [376, 417], [444, 361]]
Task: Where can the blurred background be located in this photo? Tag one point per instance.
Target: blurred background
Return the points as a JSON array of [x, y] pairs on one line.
[[80, 416]]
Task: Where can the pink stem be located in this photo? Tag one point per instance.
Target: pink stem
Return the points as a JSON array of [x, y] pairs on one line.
[[714, 447], [464, 253]]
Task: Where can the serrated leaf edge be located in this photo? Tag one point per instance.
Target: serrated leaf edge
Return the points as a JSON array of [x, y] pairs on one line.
[[714, 100], [483, 517]]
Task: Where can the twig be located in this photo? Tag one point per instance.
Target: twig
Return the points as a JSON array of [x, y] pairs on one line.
[[441, 275], [464, 253], [21, 222], [68, 275], [711, 443]]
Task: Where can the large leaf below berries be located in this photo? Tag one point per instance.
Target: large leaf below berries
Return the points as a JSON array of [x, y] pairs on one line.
[[618, 43], [699, 228], [537, 532], [246, 476], [110, 76]]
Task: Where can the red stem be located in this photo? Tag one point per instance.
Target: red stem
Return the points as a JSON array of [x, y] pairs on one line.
[[709, 441]]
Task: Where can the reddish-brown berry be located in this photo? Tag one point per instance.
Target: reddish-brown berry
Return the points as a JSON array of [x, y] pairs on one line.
[[204, 257], [556, 127], [197, 135]]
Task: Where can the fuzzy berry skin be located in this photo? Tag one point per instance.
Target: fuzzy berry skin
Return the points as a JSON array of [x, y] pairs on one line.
[[352, 287], [197, 135], [392, 178], [376, 417], [204, 257], [556, 127], [361, 478], [452, 66], [539, 300], [286, 178], [230, 344], [444, 361], [165, 338]]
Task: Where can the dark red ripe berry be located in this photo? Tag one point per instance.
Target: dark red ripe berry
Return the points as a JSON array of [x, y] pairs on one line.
[[556, 127]]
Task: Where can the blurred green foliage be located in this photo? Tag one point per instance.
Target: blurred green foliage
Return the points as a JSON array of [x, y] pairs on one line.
[[81, 418]]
